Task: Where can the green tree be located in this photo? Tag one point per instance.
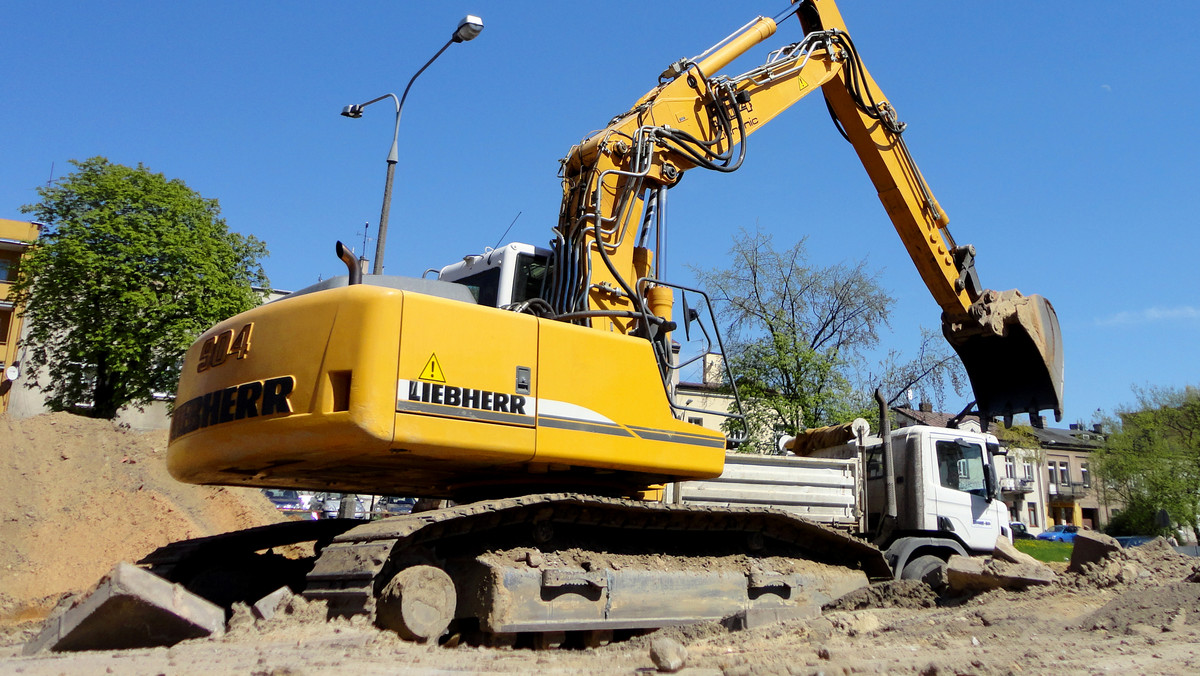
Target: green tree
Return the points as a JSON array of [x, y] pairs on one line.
[[1151, 461], [798, 334], [130, 267]]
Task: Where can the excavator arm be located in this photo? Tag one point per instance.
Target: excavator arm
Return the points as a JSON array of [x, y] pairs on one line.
[[615, 183]]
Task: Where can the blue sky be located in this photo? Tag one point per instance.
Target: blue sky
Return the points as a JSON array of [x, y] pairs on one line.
[[1059, 137]]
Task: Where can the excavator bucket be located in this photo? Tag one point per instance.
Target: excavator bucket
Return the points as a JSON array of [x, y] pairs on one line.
[[1011, 347]]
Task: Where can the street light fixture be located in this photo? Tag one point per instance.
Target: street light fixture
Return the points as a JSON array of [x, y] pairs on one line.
[[468, 29]]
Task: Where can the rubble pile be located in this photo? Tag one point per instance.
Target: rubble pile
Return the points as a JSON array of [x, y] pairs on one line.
[[1150, 565]]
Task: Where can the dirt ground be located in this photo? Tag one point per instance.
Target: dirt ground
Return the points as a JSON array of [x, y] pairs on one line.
[[80, 495]]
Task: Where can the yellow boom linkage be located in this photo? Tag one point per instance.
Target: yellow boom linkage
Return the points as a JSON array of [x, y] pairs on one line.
[[1010, 344]]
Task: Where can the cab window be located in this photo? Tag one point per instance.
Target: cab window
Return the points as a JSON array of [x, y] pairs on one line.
[[960, 466], [531, 275], [485, 286]]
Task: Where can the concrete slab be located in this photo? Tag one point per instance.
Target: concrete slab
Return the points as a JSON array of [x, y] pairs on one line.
[[129, 608], [973, 574], [266, 607], [1005, 551], [1091, 547]]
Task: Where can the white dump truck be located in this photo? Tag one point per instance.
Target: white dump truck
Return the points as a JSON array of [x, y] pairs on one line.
[[941, 498]]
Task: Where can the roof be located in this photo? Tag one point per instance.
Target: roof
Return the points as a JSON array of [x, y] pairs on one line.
[[1059, 438], [932, 418]]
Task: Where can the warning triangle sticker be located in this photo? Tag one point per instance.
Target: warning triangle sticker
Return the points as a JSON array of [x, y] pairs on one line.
[[433, 370]]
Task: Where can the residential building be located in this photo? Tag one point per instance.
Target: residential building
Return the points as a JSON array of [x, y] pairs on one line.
[[705, 398], [15, 238], [1072, 496]]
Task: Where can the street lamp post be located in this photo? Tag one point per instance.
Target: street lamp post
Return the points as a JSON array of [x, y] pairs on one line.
[[468, 29]]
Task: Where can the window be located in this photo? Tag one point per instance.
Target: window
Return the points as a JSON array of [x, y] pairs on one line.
[[1064, 473], [1085, 475], [1027, 467], [5, 322], [960, 466], [1033, 514], [696, 421], [1052, 467], [1010, 471], [531, 275], [875, 462], [485, 286], [8, 265]]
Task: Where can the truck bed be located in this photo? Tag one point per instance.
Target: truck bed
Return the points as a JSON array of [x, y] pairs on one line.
[[823, 490]]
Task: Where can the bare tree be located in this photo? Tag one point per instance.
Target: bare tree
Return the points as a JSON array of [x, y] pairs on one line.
[[799, 334]]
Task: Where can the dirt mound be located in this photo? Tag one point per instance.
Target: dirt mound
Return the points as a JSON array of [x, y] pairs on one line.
[[891, 594], [79, 495], [1158, 609], [1153, 564]]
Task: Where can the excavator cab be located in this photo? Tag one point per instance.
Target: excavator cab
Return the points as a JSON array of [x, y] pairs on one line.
[[1011, 347]]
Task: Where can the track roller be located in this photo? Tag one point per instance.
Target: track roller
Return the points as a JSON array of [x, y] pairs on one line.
[[418, 603]]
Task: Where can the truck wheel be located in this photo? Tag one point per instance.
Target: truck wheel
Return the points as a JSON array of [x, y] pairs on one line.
[[418, 603], [929, 569]]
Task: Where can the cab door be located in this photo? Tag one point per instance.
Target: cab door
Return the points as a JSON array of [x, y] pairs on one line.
[[960, 491]]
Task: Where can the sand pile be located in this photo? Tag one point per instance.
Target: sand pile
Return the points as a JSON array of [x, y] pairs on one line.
[[78, 495]]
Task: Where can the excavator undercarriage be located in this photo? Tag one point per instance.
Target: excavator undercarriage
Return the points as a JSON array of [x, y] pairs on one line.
[[542, 568]]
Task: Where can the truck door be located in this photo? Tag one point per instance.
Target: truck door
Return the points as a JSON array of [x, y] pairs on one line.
[[960, 492]]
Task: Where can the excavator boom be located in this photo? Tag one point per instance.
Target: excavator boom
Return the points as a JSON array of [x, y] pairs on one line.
[[697, 117]]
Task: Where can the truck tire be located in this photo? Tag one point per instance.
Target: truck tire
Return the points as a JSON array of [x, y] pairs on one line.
[[929, 569]]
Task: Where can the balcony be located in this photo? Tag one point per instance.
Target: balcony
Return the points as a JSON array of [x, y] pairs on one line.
[[1067, 491], [1011, 485]]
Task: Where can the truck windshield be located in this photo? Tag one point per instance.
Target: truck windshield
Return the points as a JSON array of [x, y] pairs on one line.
[[960, 466]]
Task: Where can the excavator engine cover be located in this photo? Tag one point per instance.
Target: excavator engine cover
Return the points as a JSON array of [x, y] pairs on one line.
[[1011, 346]]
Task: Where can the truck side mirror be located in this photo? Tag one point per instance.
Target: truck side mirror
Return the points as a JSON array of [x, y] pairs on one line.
[[989, 481]]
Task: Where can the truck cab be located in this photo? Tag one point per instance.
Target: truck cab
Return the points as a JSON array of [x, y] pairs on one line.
[[946, 485], [947, 499]]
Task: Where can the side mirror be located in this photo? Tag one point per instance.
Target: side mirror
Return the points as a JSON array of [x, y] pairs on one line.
[[989, 481]]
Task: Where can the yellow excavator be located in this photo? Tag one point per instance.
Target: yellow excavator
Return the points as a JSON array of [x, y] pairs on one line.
[[533, 387]]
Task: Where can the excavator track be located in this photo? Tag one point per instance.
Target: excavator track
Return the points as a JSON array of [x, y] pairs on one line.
[[540, 567], [554, 563]]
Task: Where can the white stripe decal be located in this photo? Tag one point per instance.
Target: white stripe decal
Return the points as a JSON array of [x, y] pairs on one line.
[[562, 409]]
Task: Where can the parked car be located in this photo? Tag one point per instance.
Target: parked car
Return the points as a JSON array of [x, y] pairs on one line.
[[1059, 533], [330, 505], [287, 501], [1020, 531], [1133, 540], [391, 506]]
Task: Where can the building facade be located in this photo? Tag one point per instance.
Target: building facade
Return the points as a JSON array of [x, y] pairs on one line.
[[15, 238], [1072, 497], [708, 403]]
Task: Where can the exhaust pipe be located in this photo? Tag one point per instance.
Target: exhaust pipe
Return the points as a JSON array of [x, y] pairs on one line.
[[351, 263]]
